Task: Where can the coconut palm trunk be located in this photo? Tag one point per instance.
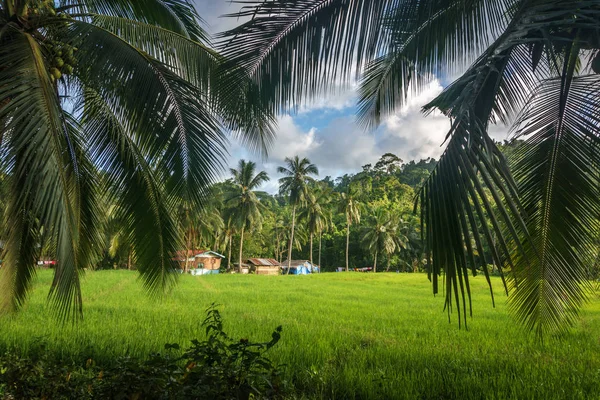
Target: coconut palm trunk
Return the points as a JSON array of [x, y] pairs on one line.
[[347, 244], [320, 240], [129, 259], [375, 262], [277, 244], [311, 248], [291, 239], [187, 252], [229, 253], [241, 250]]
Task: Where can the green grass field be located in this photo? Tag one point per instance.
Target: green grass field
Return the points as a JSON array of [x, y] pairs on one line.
[[344, 335]]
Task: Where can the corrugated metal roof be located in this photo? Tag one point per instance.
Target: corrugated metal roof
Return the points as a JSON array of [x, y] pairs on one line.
[[264, 261], [209, 253]]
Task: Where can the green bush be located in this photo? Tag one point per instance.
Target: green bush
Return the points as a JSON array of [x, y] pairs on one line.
[[216, 368]]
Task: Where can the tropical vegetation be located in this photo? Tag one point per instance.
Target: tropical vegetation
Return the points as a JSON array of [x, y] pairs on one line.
[[124, 107], [244, 203], [294, 185], [116, 101], [534, 64]]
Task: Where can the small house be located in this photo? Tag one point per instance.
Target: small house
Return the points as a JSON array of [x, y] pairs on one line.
[[264, 266], [207, 262], [299, 267], [199, 262]]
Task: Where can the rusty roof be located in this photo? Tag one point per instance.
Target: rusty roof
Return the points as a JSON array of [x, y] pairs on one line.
[[264, 261]]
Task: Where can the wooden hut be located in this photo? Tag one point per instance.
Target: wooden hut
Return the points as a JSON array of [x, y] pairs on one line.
[[199, 262], [264, 266], [207, 262]]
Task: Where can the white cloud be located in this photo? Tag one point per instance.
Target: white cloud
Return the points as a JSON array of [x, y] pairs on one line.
[[339, 99], [338, 145], [412, 135], [341, 146]]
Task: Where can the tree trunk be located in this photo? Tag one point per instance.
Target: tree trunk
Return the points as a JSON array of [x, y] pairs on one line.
[[388, 263], [320, 238], [277, 245], [291, 239], [311, 248], [241, 249], [187, 250], [347, 244], [375, 262], [229, 253], [129, 259]]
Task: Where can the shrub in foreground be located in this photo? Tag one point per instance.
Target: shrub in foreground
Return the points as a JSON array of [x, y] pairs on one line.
[[216, 368]]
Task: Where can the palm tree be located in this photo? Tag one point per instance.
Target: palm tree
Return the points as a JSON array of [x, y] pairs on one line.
[[246, 207], [226, 234], [535, 62], [350, 205], [295, 185], [325, 198], [127, 87], [314, 215], [279, 230], [379, 236]]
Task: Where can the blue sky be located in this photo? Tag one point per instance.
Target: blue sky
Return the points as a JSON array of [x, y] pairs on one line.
[[326, 132]]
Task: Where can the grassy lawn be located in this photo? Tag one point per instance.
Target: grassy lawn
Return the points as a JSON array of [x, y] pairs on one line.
[[344, 335]]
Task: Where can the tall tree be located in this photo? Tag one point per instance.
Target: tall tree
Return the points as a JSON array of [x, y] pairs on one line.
[[130, 88], [382, 233], [246, 207], [379, 235], [295, 185], [350, 205], [314, 215], [528, 59]]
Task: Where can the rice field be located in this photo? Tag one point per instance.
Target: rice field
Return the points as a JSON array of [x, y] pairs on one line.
[[345, 335]]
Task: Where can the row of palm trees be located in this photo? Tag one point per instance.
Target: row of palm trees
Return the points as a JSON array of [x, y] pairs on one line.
[[246, 205], [311, 204]]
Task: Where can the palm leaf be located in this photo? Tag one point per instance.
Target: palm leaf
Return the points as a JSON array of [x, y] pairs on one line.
[[294, 48], [557, 170], [178, 16], [428, 38], [174, 128], [132, 185], [472, 166], [41, 150]]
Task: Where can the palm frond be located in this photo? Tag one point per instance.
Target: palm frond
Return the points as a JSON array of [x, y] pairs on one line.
[[134, 187], [174, 127], [454, 201], [190, 59], [45, 174], [298, 47], [428, 39], [175, 15], [558, 171]]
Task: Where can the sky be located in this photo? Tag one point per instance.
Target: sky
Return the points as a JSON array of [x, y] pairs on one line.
[[326, 131]]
